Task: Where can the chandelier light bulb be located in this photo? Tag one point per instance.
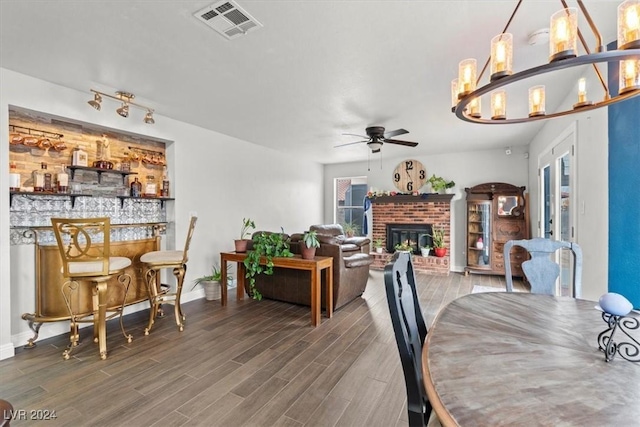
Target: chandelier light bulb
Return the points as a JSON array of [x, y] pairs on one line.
[[466, 77], [475, 108], [563, 34], [629, 75], [499, 105], [501, 56], [582, 94], [454, 94], [629, 25], [536, 101]]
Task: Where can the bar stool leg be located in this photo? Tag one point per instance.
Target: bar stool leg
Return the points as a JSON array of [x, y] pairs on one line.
[[70, 288], [152, 289], [101, 289], [125, 280], [180, 317]]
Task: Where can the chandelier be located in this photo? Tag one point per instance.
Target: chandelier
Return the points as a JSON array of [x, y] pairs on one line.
[[466, 96], [125, 99]]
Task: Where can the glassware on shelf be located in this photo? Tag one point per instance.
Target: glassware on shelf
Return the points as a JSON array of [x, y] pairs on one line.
[[151, 188], [63, 180], [14, 177], [38, 177]]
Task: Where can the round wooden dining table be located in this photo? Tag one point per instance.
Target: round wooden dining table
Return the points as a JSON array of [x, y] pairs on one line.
[[519, 359]]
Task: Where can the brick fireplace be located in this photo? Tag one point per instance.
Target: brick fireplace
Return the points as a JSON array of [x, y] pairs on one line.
[[403, 211]]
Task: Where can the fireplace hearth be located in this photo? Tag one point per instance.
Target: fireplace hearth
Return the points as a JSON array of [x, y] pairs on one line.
[[418, 235]]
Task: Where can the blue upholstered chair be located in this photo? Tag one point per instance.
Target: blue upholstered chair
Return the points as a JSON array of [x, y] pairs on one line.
[[410, 331], [540, 270]]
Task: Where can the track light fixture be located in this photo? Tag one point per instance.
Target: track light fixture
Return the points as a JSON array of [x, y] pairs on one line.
[[127, 100], [564, 35]]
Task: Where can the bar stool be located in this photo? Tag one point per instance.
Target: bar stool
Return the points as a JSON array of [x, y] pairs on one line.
[[84, 246], [158, 293]]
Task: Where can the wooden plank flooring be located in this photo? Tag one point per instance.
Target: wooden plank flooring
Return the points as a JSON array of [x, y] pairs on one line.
[[248, 364]]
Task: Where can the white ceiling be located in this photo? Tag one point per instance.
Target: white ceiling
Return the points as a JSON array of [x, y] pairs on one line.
[[316, 70]]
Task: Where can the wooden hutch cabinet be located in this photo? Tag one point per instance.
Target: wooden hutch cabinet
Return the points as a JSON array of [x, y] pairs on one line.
[[496, 213]]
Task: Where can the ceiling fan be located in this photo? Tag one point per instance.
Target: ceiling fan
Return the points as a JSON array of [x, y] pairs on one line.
[[376, 136]]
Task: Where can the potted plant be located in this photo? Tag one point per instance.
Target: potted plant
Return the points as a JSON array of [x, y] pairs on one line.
[[378, 245], [438, 242], [403, 247], [424, 250], [212, 283], [350, 229], [247, 225], [439, 184], [267, 245], [308, 244]]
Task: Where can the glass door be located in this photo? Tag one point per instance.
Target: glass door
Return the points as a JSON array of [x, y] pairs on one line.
[[557, 209], [479, 235]]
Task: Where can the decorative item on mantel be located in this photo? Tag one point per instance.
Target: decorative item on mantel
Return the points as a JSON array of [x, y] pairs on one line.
[[615, 312]]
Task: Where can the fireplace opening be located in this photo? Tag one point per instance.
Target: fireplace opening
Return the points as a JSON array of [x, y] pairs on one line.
[[417, 235]]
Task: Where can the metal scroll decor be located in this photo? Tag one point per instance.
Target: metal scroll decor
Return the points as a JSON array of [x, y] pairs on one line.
[[629, 347]]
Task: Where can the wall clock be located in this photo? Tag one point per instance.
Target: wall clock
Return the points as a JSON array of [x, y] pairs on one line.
[[409, 175]]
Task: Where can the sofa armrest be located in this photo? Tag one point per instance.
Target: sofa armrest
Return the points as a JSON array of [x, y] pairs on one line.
[[358, 241]]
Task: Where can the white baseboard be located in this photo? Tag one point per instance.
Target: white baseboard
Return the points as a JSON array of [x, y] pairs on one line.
[[6, 351]]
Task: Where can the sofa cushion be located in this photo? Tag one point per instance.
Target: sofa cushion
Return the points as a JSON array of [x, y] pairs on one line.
[[329, 229], [357, 260]]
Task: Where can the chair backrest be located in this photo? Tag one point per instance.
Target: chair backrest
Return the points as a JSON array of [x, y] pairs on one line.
[[541, 272], [192, 226], [408, 326], [84, 245]]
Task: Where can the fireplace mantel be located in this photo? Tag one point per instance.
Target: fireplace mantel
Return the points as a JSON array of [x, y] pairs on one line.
[[407, 198]]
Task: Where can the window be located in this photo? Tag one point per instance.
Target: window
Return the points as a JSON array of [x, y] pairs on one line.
[[349, 201]]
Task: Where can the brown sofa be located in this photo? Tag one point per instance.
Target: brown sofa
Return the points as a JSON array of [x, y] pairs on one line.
[[351, 262]]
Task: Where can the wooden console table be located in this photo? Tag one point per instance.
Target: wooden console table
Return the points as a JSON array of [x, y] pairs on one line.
[[315, 266]]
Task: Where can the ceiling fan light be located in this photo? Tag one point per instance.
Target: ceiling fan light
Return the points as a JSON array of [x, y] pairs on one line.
[[501, 56], [375, 146], [629, 25], [563, 34], [148, 118], [124, 110]]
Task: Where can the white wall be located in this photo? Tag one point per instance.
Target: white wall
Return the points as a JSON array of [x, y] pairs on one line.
[[592, 153], [465, 169], [221, 178]]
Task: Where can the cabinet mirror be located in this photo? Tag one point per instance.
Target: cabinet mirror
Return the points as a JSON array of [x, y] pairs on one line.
[[508, 206]]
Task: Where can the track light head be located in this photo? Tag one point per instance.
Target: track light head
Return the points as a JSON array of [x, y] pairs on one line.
[[95, 102], [148, 118], [124, 110]]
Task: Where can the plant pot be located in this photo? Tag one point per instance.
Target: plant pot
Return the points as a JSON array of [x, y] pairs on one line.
[[440, 252], [424, 251], [241, 245], [212, 290], [307, 253], [378, 250]]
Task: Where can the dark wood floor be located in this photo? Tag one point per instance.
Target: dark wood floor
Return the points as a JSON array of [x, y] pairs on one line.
[[250, 363]]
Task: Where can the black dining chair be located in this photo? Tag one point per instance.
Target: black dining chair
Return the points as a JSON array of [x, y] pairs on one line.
[[410, 331]]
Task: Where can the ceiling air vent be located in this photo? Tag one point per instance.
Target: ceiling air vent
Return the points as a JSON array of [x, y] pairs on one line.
[[228, 19]]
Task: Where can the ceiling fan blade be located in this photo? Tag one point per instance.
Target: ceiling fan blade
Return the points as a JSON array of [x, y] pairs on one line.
[[353, 134], [396, 132], [349, 143], [399, 142]]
